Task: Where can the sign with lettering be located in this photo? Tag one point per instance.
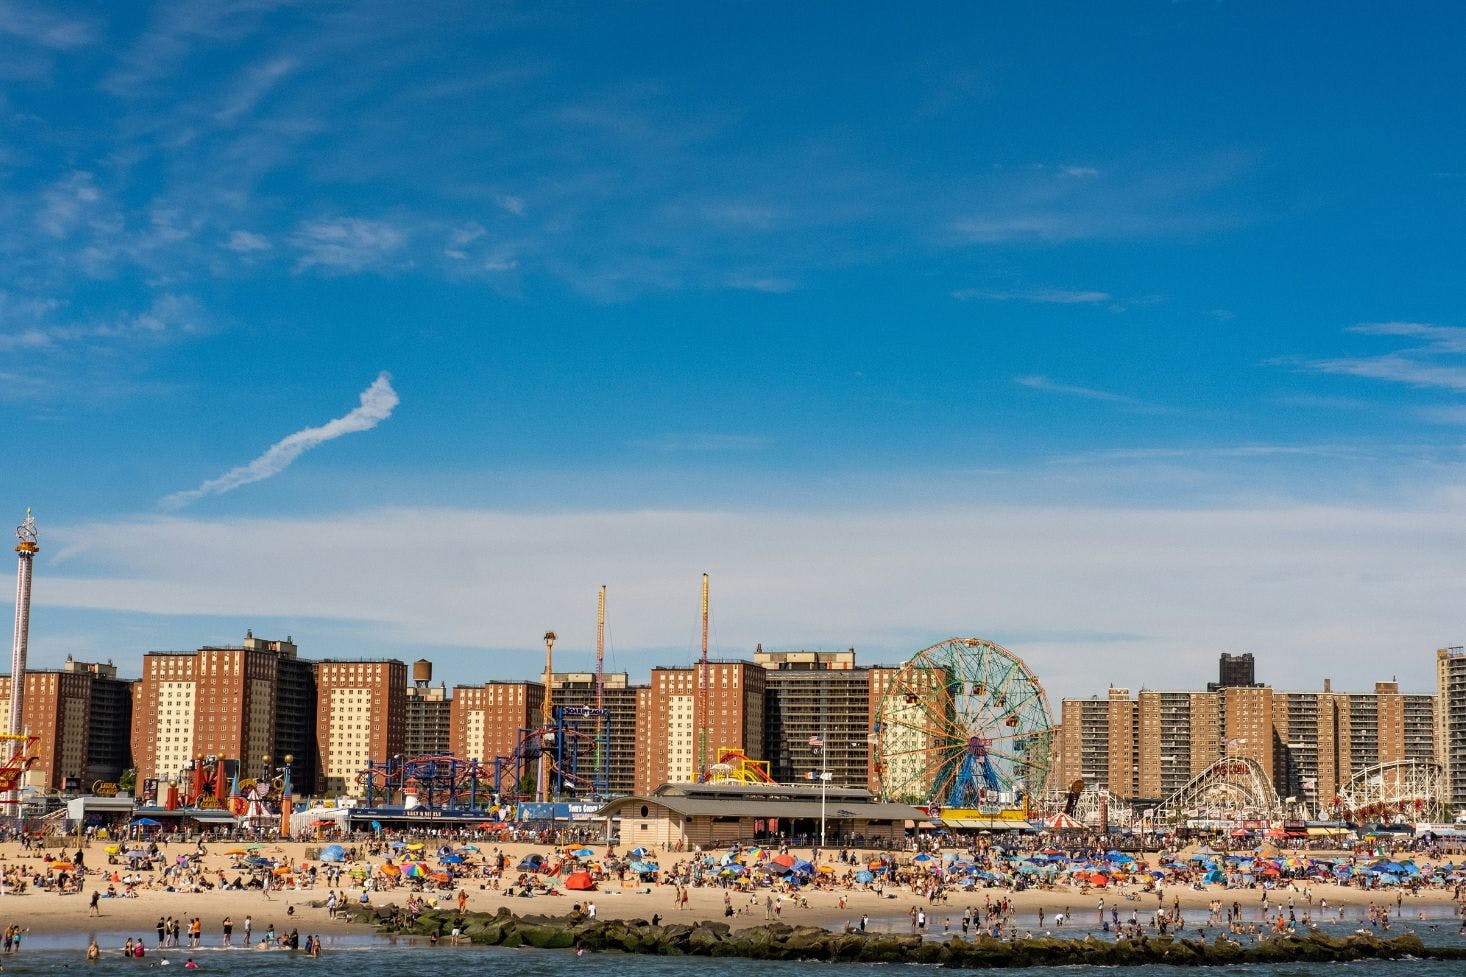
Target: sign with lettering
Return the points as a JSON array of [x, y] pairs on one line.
[[104, 788]]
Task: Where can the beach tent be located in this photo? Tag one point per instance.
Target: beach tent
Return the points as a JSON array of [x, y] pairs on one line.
[[580, 881], [333, 853]]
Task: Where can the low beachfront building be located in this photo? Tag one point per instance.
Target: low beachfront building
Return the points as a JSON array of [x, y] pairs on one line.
[[719, 814]]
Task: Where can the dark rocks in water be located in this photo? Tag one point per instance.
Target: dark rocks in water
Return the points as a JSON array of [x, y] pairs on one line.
[[781, 941]]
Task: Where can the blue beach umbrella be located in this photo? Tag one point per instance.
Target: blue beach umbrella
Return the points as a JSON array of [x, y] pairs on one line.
[[864, 876]]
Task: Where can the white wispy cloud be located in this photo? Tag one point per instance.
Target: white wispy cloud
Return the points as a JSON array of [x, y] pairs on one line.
[[772, 284], [1441, 339], [1287, 582], [1043, 383], [246, 241], [65, 204], [377, 404], [168, 317], [1396, 368], [255, 85], [1435, 363], [46, 27], [1043, 296], [1043, 203], [348, 244]]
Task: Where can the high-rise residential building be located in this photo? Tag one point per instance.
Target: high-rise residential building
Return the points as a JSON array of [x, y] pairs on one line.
[[1234, 670], [1309, 744], [1084, 742], [1176, 740], [1122, 731], [109, 722], [56, 708], [429, 721], [295, 712], [1450, 720], [361, 711], [489, 724], [1247, 729], [878, 681], [817, 715], [217, 701], [678, 733], [606, 764]]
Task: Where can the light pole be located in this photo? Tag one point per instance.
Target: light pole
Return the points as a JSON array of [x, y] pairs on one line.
[[824, 780], [817, 746]]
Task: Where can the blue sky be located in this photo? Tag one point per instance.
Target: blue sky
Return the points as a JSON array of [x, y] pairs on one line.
[[1120, 335]]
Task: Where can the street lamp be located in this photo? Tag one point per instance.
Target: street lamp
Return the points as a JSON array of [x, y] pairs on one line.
[[823, 776]]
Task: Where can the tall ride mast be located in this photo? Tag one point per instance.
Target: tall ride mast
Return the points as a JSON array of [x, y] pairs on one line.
[[27, 549], [547, 722], [703, 690]]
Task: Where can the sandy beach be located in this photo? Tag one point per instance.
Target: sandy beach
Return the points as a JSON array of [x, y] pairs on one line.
[[289, 906]]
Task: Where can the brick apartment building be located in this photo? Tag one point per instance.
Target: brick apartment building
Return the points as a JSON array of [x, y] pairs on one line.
[[361, 712]]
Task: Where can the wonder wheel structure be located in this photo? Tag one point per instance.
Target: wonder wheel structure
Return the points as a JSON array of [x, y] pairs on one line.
[[963, 724]]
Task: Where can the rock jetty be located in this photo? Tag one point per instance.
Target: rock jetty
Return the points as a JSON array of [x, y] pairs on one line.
[[781, 941]]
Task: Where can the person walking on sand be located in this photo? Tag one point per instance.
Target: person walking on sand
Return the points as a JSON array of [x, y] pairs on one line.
[[96, 903]]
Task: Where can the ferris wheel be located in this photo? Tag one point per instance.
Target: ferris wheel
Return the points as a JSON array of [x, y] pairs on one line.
[[963, 724]]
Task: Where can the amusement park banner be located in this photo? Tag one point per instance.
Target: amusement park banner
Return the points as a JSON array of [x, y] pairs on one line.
[[574, 811]]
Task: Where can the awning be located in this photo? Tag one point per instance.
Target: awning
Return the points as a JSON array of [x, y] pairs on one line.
[[1326, 832], [988, 824]]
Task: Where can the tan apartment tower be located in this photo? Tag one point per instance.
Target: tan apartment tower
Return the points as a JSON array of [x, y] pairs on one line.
[[361, 711], [57, 708], [489, 722], [700, 709], [212, 702]]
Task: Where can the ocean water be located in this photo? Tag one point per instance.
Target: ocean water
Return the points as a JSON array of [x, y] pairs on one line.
[[368, 955], [363, 960]]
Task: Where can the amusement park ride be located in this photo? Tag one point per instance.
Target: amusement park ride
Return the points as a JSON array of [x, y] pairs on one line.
[[567, 755], [964, 728]]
